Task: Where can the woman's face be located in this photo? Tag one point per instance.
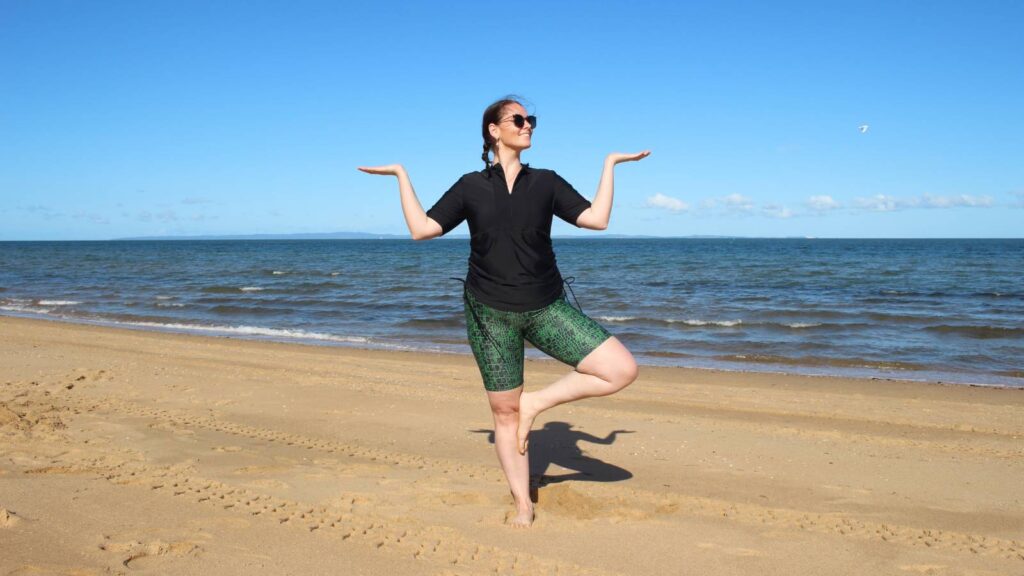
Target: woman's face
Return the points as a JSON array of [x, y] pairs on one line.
[[505, 130]]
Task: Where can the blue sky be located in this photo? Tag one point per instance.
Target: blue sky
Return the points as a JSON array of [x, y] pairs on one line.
[[150, 118]]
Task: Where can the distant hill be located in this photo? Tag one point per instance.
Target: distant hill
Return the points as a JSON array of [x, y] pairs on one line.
[[309, 236], [369, 236]]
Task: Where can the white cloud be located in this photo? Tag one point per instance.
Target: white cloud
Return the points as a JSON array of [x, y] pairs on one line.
[[667, 202], [822, 203], [738, 202], [730, 203], [929, 201], [883, 203], [879, 203], [777, 211]]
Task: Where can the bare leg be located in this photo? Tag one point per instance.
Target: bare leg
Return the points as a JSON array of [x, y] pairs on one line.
[[516, 465], [606, 370]]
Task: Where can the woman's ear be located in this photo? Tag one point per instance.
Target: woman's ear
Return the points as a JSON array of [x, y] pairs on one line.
[[495, 132]]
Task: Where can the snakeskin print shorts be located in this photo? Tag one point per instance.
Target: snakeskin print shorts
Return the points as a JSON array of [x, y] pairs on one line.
[[497, 337]]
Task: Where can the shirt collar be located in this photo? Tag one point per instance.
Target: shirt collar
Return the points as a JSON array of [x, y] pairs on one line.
[[497, 168]]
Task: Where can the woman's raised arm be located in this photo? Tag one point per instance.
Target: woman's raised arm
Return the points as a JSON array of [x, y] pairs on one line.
[[600, 212], [421, 226]]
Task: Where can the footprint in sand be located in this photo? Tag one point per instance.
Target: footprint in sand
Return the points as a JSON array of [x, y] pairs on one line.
[[564, 500], [9, 419], [84, 375], [31, 420], [561, 499], [8, 519], [141, 555]]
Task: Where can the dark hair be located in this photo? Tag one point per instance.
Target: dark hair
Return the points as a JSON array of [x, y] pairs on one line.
[[491, 116]]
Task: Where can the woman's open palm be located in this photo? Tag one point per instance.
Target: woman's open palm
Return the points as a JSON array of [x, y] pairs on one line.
[[386, 170], [618, 157]]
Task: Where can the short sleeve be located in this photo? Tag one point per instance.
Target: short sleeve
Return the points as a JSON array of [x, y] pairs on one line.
[[449, 210], [568, 203]]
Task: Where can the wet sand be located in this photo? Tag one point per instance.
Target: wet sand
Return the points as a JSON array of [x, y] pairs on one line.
[[130, 452]]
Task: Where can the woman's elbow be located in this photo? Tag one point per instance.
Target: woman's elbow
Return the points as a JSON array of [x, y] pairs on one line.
[[428, 230], [587, 219], [425, 234]]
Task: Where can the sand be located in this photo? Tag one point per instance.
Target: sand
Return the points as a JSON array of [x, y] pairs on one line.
[[130, 452]]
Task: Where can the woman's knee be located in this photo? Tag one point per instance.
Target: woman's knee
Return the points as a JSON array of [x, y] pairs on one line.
[[624, 372], [505, 413], [629, 371], [506, 419], [619, 368], [614, 364]]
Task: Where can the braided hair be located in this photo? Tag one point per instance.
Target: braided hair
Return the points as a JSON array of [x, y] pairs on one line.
[[491, 116]]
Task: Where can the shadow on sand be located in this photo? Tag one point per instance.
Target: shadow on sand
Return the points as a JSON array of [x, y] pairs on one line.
[[556, 444]]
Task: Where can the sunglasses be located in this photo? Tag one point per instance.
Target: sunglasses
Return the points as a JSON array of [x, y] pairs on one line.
[[519, 120]]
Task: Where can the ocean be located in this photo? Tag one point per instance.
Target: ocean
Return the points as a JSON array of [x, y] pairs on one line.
[[936, 310]]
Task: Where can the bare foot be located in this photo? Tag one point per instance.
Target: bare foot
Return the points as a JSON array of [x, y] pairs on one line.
[[527, 413], [522, 519]]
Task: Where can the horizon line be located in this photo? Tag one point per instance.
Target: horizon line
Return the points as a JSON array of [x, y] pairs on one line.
[[372, 236]]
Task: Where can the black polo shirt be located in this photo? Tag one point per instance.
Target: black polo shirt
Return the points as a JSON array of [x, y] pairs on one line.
[[511, 262]]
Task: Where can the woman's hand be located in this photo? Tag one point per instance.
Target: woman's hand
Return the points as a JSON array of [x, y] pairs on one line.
[[619, 157], [421, 226], [600, 211], [388, 170]]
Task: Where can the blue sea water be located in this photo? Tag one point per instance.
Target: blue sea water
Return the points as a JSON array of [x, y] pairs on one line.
[[946, 310]]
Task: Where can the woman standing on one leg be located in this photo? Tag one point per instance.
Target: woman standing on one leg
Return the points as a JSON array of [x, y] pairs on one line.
[[513, 290]]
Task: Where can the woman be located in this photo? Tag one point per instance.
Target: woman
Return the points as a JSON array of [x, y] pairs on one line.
[[513, 290]]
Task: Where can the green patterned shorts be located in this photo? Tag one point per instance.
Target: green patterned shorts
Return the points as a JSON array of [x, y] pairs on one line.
[[558, 330]]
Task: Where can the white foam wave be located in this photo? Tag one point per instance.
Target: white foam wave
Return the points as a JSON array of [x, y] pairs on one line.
[[20, 308], [170, 305], [803, 324], [335, 273], [616, 318], [250, 289], [59, 302], [250, 331], [165, 297], [690, 322], [278, 272], [24, 307]]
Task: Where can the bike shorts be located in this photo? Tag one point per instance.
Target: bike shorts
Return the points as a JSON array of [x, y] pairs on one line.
[[497, 338]]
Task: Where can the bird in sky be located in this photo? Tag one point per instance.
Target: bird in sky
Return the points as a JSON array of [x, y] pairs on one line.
[[863, 128]]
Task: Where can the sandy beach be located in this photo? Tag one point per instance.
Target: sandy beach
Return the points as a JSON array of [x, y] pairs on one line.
[[131, 452]]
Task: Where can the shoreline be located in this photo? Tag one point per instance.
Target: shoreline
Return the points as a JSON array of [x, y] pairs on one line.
[[174, 453], [362, 343]]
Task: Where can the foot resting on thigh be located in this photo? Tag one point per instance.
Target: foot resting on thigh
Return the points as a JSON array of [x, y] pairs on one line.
[[527, 414]]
